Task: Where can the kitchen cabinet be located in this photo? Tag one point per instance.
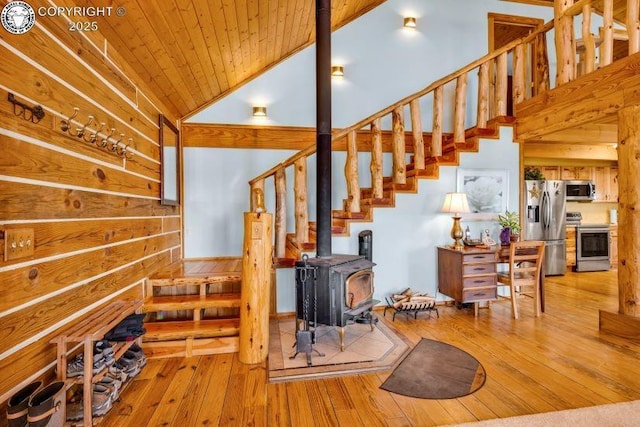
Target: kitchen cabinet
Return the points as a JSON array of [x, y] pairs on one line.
[[550, 173], [570, 243], [613, 246], [605, 179], [575, 172]]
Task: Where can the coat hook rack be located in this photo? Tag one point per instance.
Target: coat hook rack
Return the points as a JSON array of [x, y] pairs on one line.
[[33, 114], [97, 137]]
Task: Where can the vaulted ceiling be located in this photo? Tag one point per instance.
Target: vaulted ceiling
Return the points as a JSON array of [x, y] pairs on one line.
[[193, 52]]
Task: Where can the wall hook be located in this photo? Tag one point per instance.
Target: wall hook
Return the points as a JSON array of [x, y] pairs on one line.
[[80, 131], [94, 135], [33, 114], [105, 140], [65, 125]]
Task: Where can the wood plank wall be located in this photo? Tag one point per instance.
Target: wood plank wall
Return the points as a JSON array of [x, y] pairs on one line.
[[99, 227]]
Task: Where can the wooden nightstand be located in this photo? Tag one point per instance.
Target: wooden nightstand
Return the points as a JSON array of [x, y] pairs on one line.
[[468, 276]]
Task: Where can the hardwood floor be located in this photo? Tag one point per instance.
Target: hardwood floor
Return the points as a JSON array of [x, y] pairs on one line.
[[554, 362]]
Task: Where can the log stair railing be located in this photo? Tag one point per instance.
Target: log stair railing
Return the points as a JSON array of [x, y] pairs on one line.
[[430, 150], [193, 308]]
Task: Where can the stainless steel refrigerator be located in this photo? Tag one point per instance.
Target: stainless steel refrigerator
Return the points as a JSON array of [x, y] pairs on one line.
[[545, 210]]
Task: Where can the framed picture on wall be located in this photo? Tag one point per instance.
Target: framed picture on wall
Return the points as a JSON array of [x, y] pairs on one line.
[[487, 191]]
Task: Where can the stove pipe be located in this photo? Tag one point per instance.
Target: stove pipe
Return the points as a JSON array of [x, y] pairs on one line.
[[323, 128]]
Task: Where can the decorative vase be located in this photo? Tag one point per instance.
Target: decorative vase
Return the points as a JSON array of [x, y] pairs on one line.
[[504, 235]]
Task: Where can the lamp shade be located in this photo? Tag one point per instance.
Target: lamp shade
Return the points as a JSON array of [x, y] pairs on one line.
[[455, 203]]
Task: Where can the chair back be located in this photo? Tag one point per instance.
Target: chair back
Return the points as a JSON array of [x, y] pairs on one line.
[[525, 262]]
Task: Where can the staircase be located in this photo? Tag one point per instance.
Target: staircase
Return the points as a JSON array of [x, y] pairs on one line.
[[193, 308]]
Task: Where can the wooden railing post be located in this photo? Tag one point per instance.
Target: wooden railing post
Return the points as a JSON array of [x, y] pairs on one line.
[[541, 73], [436, 130], [301, 206], [502, 80], [633, 25], [483, 95], [418, 138], [351, 173], [460, 109], [376, 159], [399, 162], [281, 213], [588, 40], [606, 48], [519, 75], [256, 202], [565, 43]]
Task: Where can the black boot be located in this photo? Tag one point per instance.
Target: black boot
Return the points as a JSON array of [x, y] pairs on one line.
[[18, 405], [48, 406]]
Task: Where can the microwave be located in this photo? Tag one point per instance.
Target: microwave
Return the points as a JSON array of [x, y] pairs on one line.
[[580, 191]]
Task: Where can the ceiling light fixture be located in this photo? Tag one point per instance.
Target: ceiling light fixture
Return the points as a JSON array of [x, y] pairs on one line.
[[410, 22], [337, 71], [259, 111]]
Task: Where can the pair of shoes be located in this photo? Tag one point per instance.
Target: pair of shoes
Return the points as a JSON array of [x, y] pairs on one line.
[[139, 355], [113, 384], [129, 364], [100, 403], [103, 348], [35, 405], [75, 368]]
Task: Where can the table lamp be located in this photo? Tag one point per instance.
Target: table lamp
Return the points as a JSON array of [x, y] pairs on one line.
[[456, 203]]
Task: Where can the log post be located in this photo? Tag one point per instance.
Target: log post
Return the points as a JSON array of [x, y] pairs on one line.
[[606, 48], [519, 75], [376, 160], [564, 41], [301, 207], [256, 204], [588, 40], [460, 108], [541, 76], [633, 25], [281, 213], [436, 130], [502, 81], [255, 289], [399, 162], [483, 95], [627, 321], [418, 138], [351, 173]]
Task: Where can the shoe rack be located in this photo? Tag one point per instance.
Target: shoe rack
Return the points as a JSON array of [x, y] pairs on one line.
[[87, 332]]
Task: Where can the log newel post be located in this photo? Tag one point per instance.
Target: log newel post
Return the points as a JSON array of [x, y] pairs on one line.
[[626, 322], [255, 289], [606, 48], [565, 42]]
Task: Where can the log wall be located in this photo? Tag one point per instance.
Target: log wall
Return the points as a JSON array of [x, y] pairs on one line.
[[99, 228]]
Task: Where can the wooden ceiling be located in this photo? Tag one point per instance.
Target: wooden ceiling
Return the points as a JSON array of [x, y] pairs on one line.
[[191, 53]]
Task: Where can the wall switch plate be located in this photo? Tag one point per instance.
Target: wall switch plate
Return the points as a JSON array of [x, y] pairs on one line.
[[18, 243]]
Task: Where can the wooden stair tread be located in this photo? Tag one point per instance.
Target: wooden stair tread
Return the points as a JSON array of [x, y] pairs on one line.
[[189, 302], [180, 329], [198, 271]]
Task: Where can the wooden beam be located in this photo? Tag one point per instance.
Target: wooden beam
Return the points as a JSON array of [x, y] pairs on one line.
[[570, 151], [585, 101], [589, 133]]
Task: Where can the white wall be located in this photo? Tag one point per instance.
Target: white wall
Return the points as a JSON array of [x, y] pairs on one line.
[[383, 63]]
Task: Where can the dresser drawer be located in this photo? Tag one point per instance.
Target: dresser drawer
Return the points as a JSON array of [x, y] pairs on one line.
[[478, 258], [471, 295], [479, 282], [470, 269]]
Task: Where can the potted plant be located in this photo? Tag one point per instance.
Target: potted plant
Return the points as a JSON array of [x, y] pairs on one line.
[[510, 223], [533, 173]]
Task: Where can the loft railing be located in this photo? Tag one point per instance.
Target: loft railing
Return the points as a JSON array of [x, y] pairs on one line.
[[530, 77]]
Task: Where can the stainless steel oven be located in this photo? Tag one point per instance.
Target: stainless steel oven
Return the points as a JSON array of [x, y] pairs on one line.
[[592, 248]]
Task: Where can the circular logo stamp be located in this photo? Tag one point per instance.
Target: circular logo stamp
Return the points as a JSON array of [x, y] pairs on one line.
[[17, 17]]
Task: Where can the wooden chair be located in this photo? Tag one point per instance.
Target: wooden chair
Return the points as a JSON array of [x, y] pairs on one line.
[[523, 277]]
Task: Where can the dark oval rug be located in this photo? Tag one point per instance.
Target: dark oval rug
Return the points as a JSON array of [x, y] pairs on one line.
[[436, 370]]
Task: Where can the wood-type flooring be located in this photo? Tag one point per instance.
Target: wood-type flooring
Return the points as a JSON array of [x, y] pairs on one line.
[[557, 361]]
